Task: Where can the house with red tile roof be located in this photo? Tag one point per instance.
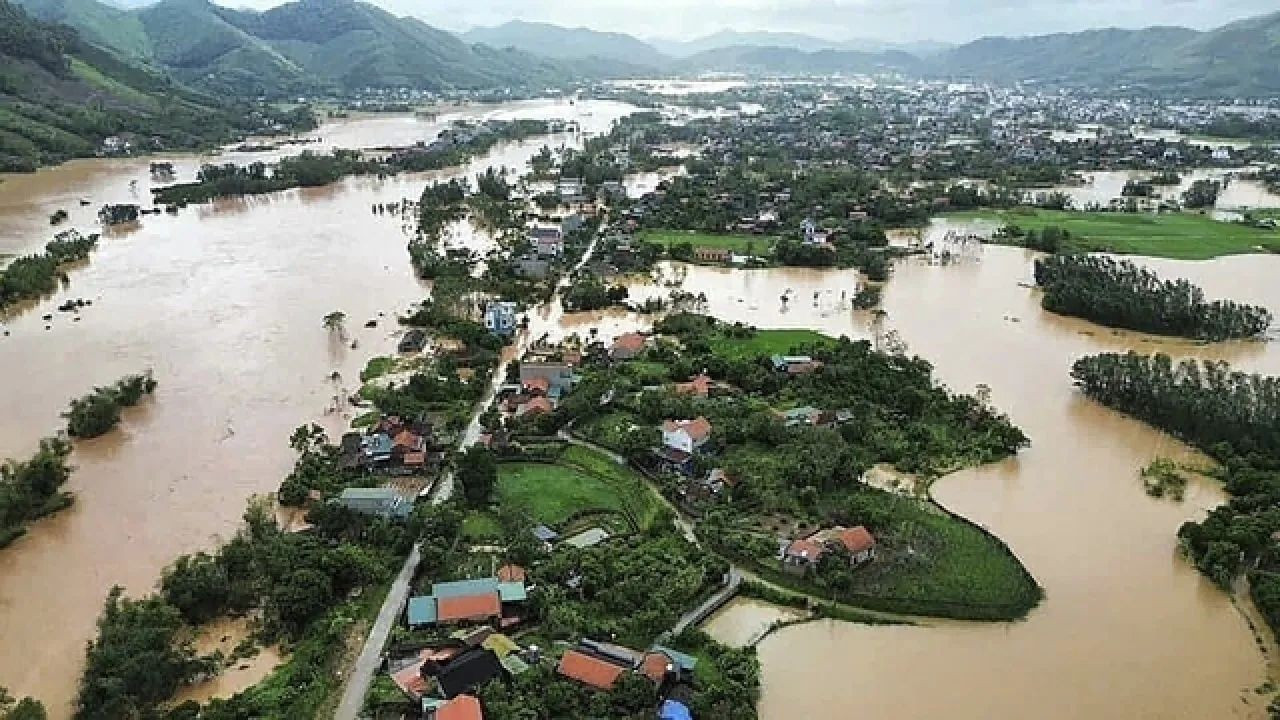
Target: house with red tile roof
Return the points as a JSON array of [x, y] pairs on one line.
[[462, 707], [686, 435], [699, 386], [590, 670], [801, 555], [627, 346]]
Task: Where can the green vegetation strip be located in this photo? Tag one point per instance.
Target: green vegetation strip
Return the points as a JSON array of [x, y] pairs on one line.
[[1180, 236], [734, 242]]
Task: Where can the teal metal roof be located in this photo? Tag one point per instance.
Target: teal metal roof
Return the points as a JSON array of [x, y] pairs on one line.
[[684, 661], [422, 610], [368, 494], [512, 592], [459, 588]]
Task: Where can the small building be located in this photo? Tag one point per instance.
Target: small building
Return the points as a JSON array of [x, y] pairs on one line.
[[479, 600], [547, 241], [712, 254], [462, 707], [628, 346], [552, 379], [686, 435], [795, 364], [590, 670], [588, 538], [545, 535], [466, 672], [699, 386], [500, 318], [532, 268], [801, 555], [413, 341], [381, 502]]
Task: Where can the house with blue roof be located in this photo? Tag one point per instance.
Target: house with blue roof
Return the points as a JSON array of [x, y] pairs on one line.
[[459, 601]]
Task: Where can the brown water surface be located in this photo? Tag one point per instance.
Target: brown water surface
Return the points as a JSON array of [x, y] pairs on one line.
[[1127, 629], [224, 303]]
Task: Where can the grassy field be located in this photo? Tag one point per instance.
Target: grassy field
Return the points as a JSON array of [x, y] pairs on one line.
[[927, 563], [1181, 236], [764, 342], [582, 480], [733, 242]]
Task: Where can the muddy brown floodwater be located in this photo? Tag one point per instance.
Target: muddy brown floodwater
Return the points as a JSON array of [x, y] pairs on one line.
[[224, 302], [1128, 629]]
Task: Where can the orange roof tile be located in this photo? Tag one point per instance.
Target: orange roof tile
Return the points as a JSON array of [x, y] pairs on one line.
[[410, 680], [654, 666], [857, 539], [630, 341], [806, 548], [462, 707], [511, 573], [589, 670], [408, 440], [468, 607], [539, 383]]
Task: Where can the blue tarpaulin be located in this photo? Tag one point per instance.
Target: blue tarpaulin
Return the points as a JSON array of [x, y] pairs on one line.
[[674, 710]]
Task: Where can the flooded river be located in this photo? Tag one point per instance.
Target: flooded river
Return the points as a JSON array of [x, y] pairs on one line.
[[1127, 629], [224, 302]]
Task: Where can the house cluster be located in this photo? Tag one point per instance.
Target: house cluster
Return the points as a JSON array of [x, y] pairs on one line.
[[544, 380], [393, 446], [496, 601], [601, 665], [795, 364], [443, 676], [801, 555]]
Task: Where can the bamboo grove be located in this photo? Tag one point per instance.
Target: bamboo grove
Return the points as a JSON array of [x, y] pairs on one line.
[[1118, 293], [1235, 418]]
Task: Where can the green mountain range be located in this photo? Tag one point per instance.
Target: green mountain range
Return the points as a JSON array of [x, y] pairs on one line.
[[1242, 58], [298, 47], [569, 43]]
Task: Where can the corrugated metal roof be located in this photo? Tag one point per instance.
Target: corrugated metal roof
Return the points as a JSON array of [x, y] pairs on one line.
[[380, 494], [587, 538], [455, 588], [512, 592], [422, 610]]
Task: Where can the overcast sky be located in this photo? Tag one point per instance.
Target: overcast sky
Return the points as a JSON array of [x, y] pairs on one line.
[[894, 20]]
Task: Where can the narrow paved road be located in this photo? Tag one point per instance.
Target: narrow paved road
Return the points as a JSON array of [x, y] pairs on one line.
[[713, 603], [371, 655], [370, 659]]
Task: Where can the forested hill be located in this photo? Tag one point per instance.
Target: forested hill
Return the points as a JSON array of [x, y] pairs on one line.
[[299, 47], [60, 97], [568, 43], [1242, 58]]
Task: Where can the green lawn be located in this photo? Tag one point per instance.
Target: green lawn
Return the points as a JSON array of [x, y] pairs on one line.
[[480, 526], [1181, 236], [734, 242], [582, 480], [764, 342]]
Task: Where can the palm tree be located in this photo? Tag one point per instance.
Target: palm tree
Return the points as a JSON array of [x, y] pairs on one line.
[[336, 322]]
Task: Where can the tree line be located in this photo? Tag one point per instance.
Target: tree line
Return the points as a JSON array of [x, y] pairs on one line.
[[30, 490], [33, 276], [97, 412], [1118, 293], [1235, 418], [309, 169]]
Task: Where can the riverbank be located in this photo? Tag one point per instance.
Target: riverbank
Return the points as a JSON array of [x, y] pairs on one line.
[[1180, 236]]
